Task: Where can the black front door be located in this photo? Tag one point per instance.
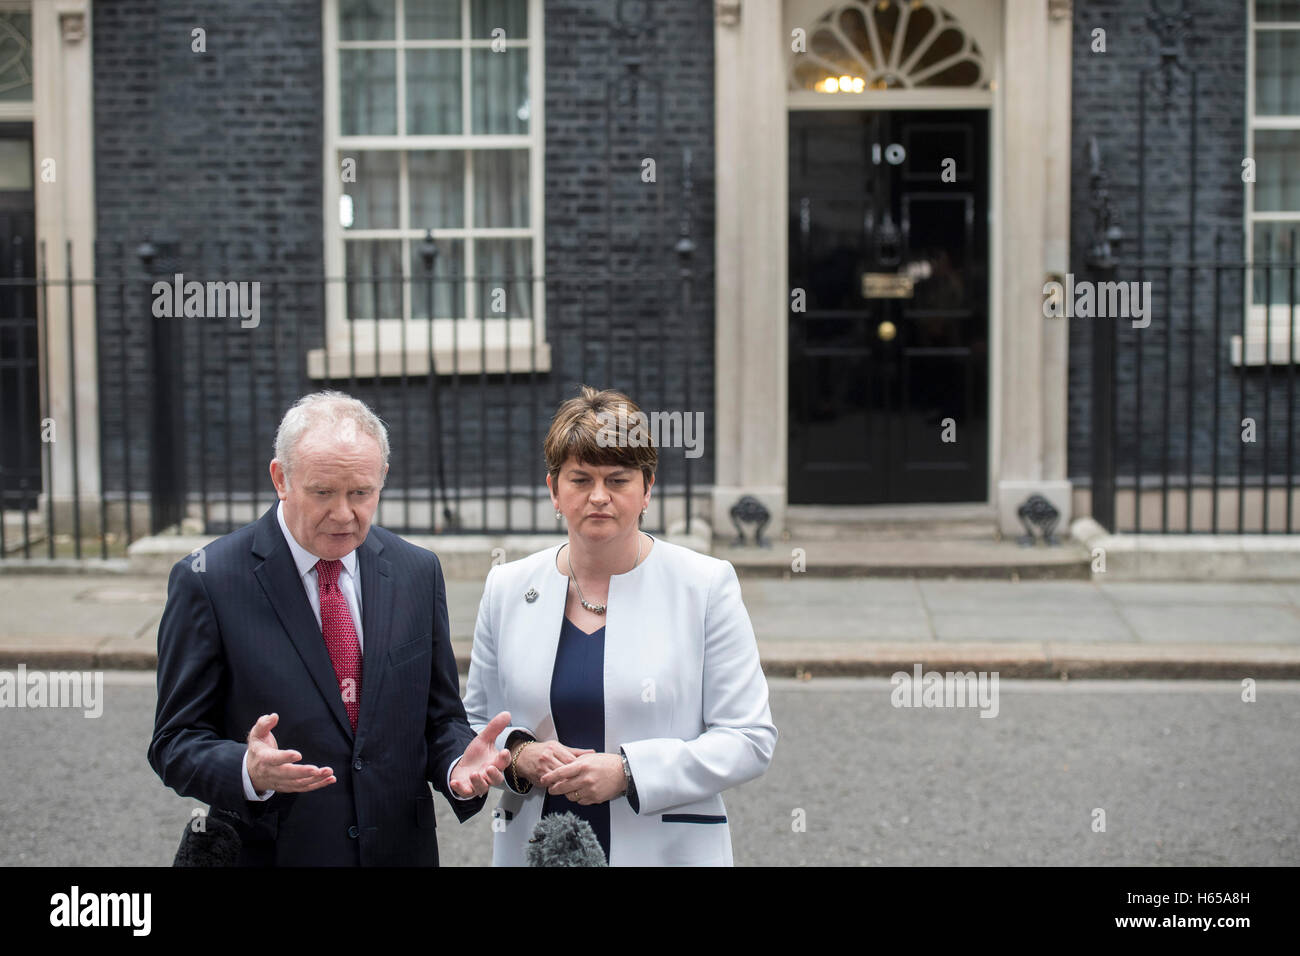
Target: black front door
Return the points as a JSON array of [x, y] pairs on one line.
[[889, 306], [20, 443]]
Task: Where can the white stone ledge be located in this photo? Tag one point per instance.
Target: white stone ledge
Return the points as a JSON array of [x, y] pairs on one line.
[[1199, 557]]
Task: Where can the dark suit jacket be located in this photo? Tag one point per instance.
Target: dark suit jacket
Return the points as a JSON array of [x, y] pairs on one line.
[[238, 640]]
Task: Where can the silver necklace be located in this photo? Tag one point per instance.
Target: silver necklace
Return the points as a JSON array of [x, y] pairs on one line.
[[597, 608]]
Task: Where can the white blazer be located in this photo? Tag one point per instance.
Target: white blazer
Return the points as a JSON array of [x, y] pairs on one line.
[[685, 697]]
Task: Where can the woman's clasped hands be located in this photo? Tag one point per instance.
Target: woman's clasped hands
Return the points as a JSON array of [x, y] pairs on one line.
[[582, 775]]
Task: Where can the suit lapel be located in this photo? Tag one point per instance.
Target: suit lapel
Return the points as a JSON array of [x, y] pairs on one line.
[[278, 577], [376, 624]]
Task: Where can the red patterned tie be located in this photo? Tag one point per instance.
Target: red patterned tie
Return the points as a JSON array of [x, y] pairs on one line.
[[340, 636]]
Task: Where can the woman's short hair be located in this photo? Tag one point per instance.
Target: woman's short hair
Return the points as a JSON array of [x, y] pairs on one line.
[[601, 428]]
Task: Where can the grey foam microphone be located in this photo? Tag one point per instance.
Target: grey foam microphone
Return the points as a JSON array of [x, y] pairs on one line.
[[564, 839]]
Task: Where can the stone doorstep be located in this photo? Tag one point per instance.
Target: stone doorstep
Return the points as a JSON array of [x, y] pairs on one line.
[[1251, 558], [1075, 569], [1029, 659], [939, 556], [861, 553]]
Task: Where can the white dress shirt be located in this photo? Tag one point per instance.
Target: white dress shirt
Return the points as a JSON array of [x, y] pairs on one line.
[[350, 585], [349, 577]]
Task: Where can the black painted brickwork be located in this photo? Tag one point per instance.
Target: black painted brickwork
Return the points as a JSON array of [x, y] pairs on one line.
[[1106, 105], [216, 157]]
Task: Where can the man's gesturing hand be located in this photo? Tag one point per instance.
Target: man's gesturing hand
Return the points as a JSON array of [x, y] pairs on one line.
[[270, 768], [482, 763]]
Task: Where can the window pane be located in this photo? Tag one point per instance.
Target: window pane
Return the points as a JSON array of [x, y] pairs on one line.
[[1275, 10], [375, 193], [501, 187], [433, 92], [368, 92], [1273, 244], [437, 189], [432, 19], [15, 57], [15, 163], [500, 85], [366, 20], [504, 268], [374, 278], [448, 280], [510, 15], [1277, 72], [1277, 170]]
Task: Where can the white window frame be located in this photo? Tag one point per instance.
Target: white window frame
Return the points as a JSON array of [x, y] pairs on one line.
[[516, 344], [1276, 316]]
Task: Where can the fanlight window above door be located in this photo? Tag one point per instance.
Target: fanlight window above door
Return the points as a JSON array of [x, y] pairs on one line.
[[885, 45], [15, 56]]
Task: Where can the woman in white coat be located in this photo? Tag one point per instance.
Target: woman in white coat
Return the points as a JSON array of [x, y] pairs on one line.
[[628, 664]]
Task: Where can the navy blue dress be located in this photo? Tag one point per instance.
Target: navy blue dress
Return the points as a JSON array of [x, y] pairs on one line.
[[578, 706]]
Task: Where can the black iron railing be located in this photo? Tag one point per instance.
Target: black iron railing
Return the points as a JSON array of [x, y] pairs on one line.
[[186, 405], [1193, 408], [1194, 415]]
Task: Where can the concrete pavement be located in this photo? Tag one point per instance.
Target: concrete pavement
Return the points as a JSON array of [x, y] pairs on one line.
[[850, 626]]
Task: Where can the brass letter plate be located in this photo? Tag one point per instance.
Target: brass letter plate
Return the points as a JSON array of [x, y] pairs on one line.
[[886, 285]]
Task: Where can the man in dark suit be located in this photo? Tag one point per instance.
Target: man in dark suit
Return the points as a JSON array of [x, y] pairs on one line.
[[333, 634]]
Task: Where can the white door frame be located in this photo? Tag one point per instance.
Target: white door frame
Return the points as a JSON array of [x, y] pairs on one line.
[[63, 131], [1029, 128]]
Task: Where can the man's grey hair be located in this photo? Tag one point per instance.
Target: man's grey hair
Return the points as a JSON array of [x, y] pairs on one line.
[[338, 412]]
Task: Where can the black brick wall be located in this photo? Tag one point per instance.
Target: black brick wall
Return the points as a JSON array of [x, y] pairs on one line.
[[216, 158], [1106, 106], [617, 94]]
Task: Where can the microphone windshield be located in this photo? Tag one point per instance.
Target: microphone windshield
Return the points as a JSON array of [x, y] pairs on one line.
[[564, 839]]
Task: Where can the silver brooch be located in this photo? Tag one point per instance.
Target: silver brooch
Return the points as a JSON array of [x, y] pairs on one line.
[[530, 595]]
